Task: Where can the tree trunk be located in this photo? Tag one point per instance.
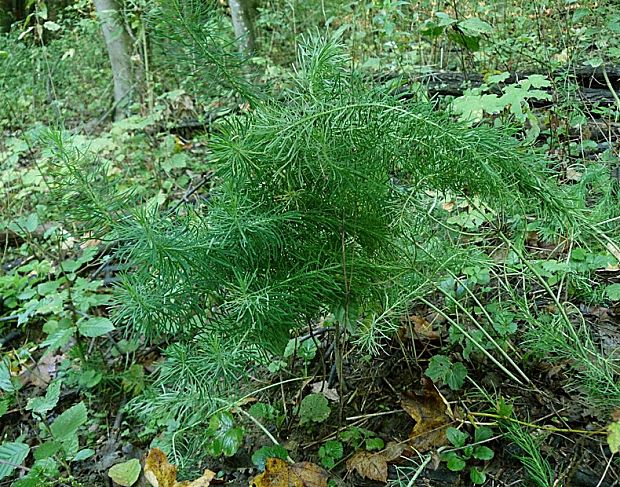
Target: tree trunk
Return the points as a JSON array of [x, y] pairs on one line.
[[241, 12], [119, 47]]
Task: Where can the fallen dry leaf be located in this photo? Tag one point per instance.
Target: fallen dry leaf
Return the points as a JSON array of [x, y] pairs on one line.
[[321, 387], [159, 473], [431, 414], [422, 328], [43, 372], [203, 481], [573, 175], [374, 466], [448, 205], [278, 473], [369, 465]]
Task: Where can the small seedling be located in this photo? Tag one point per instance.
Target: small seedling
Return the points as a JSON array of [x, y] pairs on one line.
[[330, 453], [441, 369], [457, 460], [224, 438]]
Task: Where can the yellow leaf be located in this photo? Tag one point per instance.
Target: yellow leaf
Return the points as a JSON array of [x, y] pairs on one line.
[[278, 473], [374, 466], [613, 437], [430, 412], [159, 473]]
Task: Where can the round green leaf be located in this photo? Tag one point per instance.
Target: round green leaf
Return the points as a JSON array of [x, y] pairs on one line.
[[483, 433], [231, 441], [483, 453], [455, 463], [333, 449], [314, 407], [613, 292], [456, 437], [477, 477], [125, 474]]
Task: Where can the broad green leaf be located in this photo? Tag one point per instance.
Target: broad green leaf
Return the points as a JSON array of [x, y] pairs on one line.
[[51, 26], [333, 449], [40, 474], [31, 223], [454, 462], [483, 433], [95, 327], [456, 437], [12, 454], [613, 437], [444, 19], [261, 455], [495, 79], [6, 384], [49, 287], [536, 81], [84, 454], [126, 474], [613, 292], [483, 453], [225, 438], [456, 376], [4, 406], [67, 424], [314, 407], [71, 445], [47, 449], [580, 13], [41, 405], [475, 27], [477, 477], [374, 444], [440, 368], [57, 339], [176, 161], [231, 441]]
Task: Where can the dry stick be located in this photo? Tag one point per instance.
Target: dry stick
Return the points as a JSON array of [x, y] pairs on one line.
[[611, 87], [552, 429], [191, 191], [600, 482], [337, 340]]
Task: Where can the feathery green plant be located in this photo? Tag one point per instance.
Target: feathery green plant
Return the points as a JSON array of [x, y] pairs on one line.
[[193, 42], [316, 212]]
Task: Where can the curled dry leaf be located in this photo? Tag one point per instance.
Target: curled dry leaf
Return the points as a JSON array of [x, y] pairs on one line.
[[432, 416], [204, 480], [423, 329], [374, 466], [322, 388], [159, 473], [278, 473]]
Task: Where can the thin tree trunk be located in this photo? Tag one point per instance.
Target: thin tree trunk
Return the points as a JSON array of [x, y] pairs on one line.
[[119, 47], [243, 20]]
